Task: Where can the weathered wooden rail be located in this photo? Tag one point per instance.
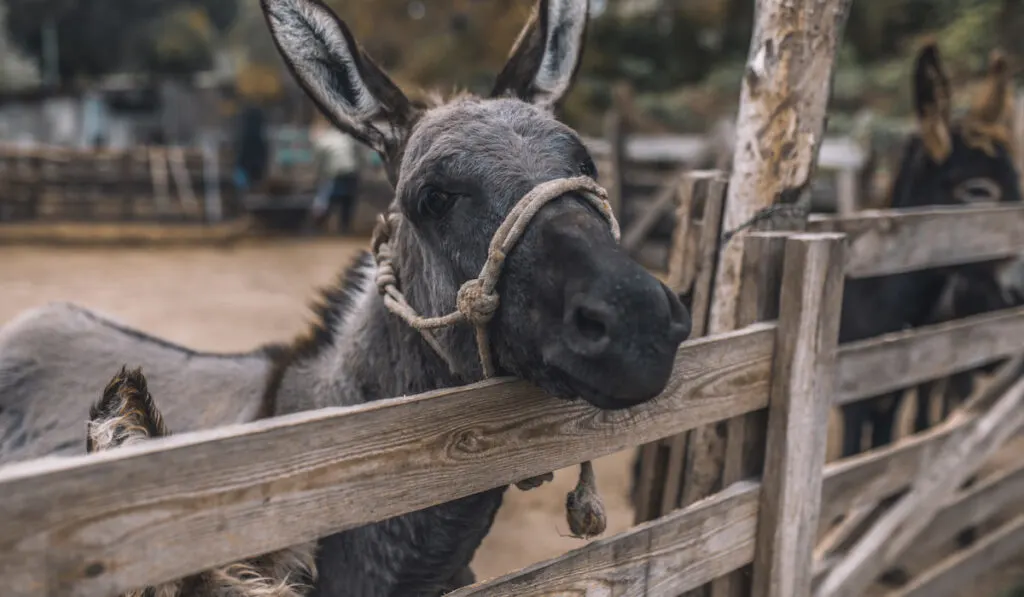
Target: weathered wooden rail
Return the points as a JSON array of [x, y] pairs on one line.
[[879, 243], [56, 184], [194, 500], [211, 497]]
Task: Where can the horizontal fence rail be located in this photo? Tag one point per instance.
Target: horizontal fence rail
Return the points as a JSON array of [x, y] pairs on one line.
[[901, 359], [662, 558], [147, 513], [901, 240]]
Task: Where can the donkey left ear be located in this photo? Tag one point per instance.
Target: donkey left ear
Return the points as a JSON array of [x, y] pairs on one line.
[[932, 102], [545, 58]]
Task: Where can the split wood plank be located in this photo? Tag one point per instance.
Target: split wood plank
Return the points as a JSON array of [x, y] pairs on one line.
[[961, 569], [882, 546], [803, 377], [188, 502], [745, 437], [682, 487]]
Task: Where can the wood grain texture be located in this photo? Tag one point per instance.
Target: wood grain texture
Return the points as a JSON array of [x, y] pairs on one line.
[[802, 380], [658, 480], [780, 123], [745, 437], [686, 475], [959, 570], [902, 359], [102, 523], [660, 558], [933, 484], [682, 258], [900, 240], [865, 479], [637, 232], [969, 508]]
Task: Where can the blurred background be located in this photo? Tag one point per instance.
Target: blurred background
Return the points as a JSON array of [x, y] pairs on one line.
[[126, 123], [682, 57]]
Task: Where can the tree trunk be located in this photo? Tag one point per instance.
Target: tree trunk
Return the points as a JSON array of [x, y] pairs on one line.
[[779, 129], [781, 121]]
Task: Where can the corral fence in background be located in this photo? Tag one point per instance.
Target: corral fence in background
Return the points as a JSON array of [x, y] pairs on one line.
[[162, 184], [906, 492]]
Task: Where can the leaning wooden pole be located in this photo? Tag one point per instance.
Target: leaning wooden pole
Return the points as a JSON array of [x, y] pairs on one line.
[[781, 122], [779, 129]]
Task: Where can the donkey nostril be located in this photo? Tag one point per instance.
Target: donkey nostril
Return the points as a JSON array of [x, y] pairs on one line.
[[590, 323]]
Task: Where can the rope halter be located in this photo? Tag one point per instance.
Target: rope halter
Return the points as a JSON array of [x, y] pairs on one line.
[[477, 300]]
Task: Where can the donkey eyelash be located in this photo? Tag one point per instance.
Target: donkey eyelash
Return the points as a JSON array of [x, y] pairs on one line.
[[434, 203]]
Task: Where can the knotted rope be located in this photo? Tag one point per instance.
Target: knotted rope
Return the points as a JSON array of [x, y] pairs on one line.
[[477, 301]]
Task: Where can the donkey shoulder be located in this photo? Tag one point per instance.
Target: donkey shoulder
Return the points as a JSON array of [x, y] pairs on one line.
[[55, 360]]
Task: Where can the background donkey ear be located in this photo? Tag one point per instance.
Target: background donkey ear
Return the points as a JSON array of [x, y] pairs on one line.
[[932, 102], [352, 91], [992, 104], [544, 59]]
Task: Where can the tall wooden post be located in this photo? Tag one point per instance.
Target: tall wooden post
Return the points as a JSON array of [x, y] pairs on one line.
[[779, 130], [781, 122], [803, 377]]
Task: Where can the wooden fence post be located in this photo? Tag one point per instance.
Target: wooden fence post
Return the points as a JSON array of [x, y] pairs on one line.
[[780, 124], [779, 131], [803, 379], [760, 286], [615, 132], [658, 487]]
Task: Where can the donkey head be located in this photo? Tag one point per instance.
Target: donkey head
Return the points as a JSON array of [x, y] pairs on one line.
[[577, 316], [950, 163]]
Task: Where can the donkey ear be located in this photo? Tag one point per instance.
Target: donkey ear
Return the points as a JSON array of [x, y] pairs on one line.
[[352, 91], [992, 103], [544, 59], [932, 102]]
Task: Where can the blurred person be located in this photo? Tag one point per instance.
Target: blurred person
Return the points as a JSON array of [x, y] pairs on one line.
[[337, 163], [251, 148]]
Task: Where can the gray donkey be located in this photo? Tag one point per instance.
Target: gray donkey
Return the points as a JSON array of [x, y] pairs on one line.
[[576, 315]]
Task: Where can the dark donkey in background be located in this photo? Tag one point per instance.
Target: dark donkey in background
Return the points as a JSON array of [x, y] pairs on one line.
[[944, 163]]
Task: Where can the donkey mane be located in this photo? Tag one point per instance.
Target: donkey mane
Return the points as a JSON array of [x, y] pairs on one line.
[[331, 306]]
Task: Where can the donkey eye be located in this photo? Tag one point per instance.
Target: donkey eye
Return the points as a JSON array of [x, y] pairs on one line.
[[434, 203], [587, 168]]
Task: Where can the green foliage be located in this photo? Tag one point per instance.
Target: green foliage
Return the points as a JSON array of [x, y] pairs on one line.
[[97, 37]]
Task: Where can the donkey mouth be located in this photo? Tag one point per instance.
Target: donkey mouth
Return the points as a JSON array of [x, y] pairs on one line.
[[573, 387]]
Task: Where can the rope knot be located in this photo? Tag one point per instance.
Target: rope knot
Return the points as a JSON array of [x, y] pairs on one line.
[[476, 306]]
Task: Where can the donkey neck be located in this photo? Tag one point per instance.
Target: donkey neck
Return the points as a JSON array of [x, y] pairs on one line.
[[368, 354]]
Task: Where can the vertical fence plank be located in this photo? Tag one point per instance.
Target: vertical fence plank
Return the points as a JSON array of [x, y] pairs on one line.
[[802, 382], [661, 463], [760, 283], [615, 132], [680, 474]]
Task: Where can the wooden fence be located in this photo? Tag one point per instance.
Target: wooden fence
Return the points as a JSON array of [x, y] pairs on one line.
[[64, 530], [173, 512], [166, 184], [862, 488]]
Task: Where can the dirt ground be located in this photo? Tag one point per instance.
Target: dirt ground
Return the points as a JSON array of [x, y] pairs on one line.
[[237, 297]]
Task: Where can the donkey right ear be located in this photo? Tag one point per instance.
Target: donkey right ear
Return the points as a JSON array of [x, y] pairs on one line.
[[352, 91], [932, 102], [546, 56]]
